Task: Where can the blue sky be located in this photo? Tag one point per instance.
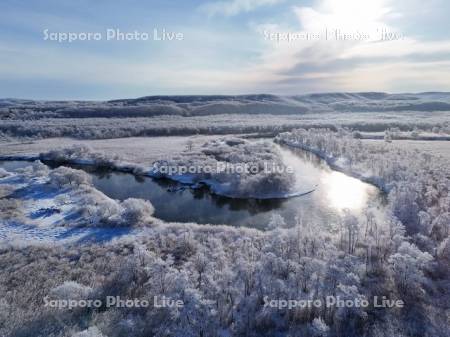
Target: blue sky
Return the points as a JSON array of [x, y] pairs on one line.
[[225, 48]]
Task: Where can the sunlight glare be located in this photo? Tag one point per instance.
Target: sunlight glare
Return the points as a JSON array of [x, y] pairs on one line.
[[344, 192]]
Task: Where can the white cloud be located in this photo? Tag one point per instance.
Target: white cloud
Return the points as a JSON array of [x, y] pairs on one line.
[[234, 7], [212, 61], [364, 64]]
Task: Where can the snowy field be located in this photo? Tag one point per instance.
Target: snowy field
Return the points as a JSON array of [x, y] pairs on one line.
[[146, 150], [435, 147], [138, 150]]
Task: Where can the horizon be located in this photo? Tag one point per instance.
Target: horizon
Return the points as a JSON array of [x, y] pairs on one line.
[[223, 95]]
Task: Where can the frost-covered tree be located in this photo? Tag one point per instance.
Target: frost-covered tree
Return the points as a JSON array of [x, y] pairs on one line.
[[276, 221], [318, 328], [388, 136], [351, 230], [66, 176], [407, 267]]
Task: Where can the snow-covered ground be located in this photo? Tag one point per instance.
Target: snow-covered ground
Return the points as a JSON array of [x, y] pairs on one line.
[[408, 135], [146, 150], [435, 147], [60, 205], [138, 150]]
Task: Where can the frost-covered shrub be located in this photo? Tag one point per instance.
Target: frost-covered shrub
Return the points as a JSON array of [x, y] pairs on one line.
[[139, 169], [99, 210], [10, 208], [276, 222], [35, 169], [136, 212], [263, 185], [6, 189], [75, 152], [318, 328], [91, 332], [39, 168], [66, 176], [71, 290], [4, 173], [81, 154]]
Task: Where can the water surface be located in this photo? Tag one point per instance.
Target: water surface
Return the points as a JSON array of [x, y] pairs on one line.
[[333, 192]]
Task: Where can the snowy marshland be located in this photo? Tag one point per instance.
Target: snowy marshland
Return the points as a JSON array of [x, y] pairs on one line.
[[190, 115], [62, 238]]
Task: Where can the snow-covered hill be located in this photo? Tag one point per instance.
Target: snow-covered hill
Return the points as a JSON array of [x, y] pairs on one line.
[[220, 104]]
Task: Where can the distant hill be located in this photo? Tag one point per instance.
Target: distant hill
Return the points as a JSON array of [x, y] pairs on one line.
[[203, 105]]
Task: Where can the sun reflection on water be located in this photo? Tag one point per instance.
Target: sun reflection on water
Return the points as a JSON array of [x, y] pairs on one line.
[[343, 192]]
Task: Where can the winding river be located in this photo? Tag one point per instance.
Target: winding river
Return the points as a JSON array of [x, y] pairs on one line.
[[333, 192]]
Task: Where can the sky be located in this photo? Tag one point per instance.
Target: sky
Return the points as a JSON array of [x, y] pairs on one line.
[[221, 47]]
